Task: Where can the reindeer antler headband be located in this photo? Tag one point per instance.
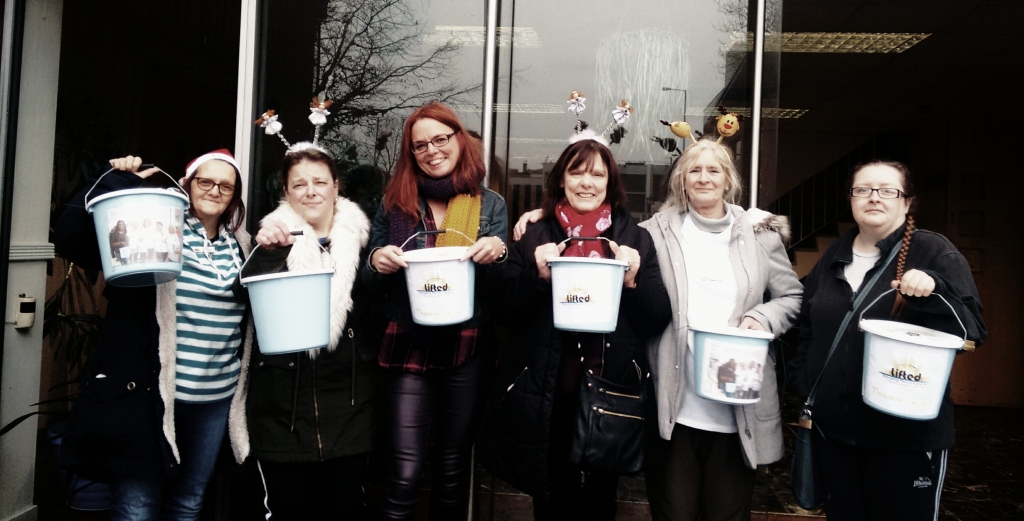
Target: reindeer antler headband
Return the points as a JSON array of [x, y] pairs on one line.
[[317, 116], [577, 105]]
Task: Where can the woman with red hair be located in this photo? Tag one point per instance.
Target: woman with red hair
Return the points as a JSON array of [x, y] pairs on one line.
[[435, 374]]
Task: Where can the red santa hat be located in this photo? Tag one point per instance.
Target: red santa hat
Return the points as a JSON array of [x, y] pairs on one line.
[[221, 155]]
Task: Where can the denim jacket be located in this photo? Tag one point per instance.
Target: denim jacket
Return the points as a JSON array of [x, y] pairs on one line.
[[493, 223]]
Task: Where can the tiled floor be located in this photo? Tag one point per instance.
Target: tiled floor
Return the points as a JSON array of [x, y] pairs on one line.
[[985, 481]]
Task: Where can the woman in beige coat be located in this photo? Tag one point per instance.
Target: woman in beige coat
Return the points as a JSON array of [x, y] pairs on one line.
[[718, 263]]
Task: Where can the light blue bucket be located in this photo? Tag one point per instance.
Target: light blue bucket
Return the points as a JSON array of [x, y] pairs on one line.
[[729, 363], [145, 225], [291, 310]]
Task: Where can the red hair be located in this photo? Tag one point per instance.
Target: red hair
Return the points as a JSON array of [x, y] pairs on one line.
[[402, 193]]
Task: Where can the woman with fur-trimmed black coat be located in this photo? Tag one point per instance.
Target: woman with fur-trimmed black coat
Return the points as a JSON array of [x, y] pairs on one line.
[[311, 414]]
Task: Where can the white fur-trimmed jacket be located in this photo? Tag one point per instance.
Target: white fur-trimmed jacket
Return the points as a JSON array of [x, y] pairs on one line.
[[760, 264], [350, 232], [319, 405], [168, 349]]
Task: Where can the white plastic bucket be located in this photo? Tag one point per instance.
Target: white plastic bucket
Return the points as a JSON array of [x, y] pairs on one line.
[[441, 286], [585, 293], [148, 220], [291, 310], [906, 367], [729, 363]]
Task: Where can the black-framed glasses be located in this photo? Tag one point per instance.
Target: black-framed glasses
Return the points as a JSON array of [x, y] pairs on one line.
[[420, 147], [884, 193], [207, 184]]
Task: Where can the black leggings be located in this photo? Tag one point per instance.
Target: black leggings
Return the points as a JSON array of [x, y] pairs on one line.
[[452, 400]]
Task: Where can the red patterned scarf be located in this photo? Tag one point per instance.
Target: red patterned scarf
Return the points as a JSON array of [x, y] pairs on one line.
[[590, 224]]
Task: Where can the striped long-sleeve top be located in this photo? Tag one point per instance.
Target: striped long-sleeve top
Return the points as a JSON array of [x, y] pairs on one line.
[[209, 316]]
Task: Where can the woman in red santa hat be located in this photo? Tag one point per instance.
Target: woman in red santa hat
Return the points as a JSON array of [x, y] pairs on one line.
[[167, 381]]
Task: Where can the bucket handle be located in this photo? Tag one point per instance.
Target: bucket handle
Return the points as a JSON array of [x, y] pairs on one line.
[[609, 241], [433, 232], [968, 345], [295, 233], [173, 180]]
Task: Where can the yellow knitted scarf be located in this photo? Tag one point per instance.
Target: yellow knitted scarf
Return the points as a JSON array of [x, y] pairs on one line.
[[463, 214]]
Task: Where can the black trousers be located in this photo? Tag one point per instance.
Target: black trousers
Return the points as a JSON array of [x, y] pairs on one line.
[[318, 490], [575, 492], [699, 474], [451, 400], [862, 483]]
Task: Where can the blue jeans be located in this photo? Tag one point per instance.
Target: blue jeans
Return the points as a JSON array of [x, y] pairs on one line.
[[199, 429]]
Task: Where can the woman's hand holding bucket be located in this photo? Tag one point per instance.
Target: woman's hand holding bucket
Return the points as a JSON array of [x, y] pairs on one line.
[[274, 234], [751, 323], [388, 259], [132, 164], [631, 256], [915, 283], [486, 250], [543, 254]]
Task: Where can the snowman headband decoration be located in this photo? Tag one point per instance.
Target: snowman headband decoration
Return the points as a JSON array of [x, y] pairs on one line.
[[577, 104], [317, 116], [727, 125]]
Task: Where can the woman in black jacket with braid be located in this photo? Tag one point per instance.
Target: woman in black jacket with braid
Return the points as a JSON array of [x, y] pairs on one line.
[[874, 465], [532, 412]]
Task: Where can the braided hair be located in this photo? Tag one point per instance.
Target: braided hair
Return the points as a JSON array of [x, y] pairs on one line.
[[908, 193], [901, 261]]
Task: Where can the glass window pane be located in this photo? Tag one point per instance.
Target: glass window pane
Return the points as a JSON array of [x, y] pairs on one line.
[[377, 60], [670, 61]]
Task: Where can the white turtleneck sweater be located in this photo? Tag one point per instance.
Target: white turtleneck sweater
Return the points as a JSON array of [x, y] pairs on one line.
[[711, 297]]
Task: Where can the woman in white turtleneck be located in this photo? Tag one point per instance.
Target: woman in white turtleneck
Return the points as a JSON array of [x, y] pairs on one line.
[[718, 262]]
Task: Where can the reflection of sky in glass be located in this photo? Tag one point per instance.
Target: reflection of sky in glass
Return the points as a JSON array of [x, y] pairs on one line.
[[569, 34], [557, 52]]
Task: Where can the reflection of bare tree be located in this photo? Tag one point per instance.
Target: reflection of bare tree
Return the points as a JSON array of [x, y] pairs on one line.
[[372, 61]]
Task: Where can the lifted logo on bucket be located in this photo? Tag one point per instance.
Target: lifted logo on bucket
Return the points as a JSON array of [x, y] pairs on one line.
[[906, 370], [434, 284], [577, 295]]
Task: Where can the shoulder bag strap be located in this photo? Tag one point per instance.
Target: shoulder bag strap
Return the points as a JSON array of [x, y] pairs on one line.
[[846, 320]]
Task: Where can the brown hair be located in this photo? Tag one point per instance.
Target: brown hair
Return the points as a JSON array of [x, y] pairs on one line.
[[313, 155], [234, 214], [402, 192], [908, 193], [581, 155]]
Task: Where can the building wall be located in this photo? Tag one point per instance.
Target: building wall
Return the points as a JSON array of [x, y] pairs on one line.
[[29, 251]]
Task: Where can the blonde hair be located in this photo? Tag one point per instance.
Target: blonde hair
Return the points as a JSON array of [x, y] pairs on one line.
[[722, 154]]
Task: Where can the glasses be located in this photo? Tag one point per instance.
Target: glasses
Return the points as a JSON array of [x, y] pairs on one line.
[[884, 193], [207, 184], [438, 142]]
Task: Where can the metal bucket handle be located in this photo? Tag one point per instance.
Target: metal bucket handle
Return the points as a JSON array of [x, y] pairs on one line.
[[295, 233], [433, 232], [609, 241], [968, 345], [173, 180]]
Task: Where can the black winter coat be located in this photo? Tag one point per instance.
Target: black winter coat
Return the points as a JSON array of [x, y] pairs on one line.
[[839, 410], [517, 430]]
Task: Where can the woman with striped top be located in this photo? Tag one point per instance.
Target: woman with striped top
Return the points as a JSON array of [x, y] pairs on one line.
[[182, 347]]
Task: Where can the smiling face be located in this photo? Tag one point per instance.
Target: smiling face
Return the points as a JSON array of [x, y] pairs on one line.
[[210, 204], [311, 192], [706, 184], [875, 215], [434, 161], [586, 188]]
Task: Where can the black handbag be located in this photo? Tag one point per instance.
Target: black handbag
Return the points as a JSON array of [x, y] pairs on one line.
[[610, 424], [803, 473]]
